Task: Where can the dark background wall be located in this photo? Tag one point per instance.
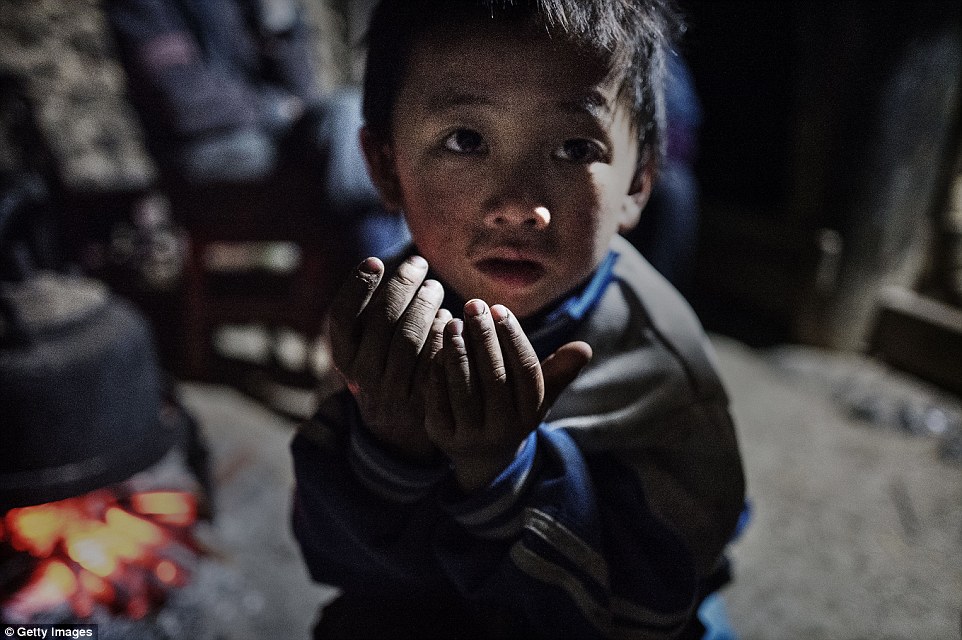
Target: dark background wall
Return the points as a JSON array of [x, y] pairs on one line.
[[827, 127]]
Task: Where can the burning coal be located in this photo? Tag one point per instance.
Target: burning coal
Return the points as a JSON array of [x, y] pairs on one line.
[[124, 552]]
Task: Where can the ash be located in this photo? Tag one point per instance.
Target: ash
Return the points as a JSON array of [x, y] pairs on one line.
[[217, 604]]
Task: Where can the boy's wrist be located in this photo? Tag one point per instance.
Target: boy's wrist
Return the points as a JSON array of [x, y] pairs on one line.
[[473, 476], [393, 477], [403, 439], [406, 449], [475, 473], [495, 510]]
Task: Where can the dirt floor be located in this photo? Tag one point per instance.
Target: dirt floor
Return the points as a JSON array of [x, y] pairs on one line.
[[857, 522], [857, 527]]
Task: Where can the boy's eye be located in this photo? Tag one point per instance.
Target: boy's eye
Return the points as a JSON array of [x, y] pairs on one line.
[[464, 141], [580, 151]]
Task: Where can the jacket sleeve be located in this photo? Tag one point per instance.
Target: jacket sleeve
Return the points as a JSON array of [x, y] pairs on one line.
[[362, 518]]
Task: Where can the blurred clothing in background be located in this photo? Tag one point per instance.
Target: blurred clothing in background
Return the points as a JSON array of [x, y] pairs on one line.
[[228, 92], [668, 231]]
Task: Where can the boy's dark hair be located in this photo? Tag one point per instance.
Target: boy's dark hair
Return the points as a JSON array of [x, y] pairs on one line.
[[631, 37]]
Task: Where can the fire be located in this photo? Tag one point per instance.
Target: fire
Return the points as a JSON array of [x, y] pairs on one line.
[[99, 548], [170, 507]]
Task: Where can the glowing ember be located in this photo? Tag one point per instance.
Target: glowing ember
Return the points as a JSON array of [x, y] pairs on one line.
[[99, 549], [170, 507]]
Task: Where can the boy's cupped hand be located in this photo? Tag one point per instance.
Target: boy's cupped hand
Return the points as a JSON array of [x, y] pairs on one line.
[[384, 333], [424, 382], [487, 390]]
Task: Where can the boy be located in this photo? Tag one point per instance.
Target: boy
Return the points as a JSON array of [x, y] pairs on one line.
[[436, 490]]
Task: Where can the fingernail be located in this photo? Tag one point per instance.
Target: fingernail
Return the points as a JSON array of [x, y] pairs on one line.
[[418, 261], [431, 284], [455, 327], [500, 312], [475, 307], [369, 265]]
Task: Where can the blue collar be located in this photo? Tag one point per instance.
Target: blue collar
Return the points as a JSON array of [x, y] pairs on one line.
[[549, 331]]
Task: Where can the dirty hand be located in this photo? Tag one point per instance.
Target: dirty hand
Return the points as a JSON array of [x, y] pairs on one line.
[[384, 332], [488, 391]]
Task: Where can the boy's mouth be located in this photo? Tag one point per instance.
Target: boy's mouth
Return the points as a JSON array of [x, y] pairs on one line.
[[514, 273]]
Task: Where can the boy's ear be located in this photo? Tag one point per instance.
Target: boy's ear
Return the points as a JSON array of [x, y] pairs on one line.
[[380, 166], [636, 199]]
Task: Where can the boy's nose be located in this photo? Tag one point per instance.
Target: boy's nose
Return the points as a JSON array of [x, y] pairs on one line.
[[517, 214], [517, 195]]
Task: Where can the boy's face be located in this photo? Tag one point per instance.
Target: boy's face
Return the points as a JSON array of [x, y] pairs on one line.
[[514, 162]]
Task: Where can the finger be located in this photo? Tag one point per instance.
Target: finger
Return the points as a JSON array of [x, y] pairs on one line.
[[436, 338], [382, 313], [348, 304], [438, 420], [521, 361], [561, 368], [485, 350], [432, 346], [410, 335], [459, 378]]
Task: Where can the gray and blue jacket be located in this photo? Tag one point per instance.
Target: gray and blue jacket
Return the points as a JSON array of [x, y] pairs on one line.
[[609, 521]]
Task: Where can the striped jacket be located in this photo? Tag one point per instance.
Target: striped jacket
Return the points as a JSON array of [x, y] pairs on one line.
[[614, 511]]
